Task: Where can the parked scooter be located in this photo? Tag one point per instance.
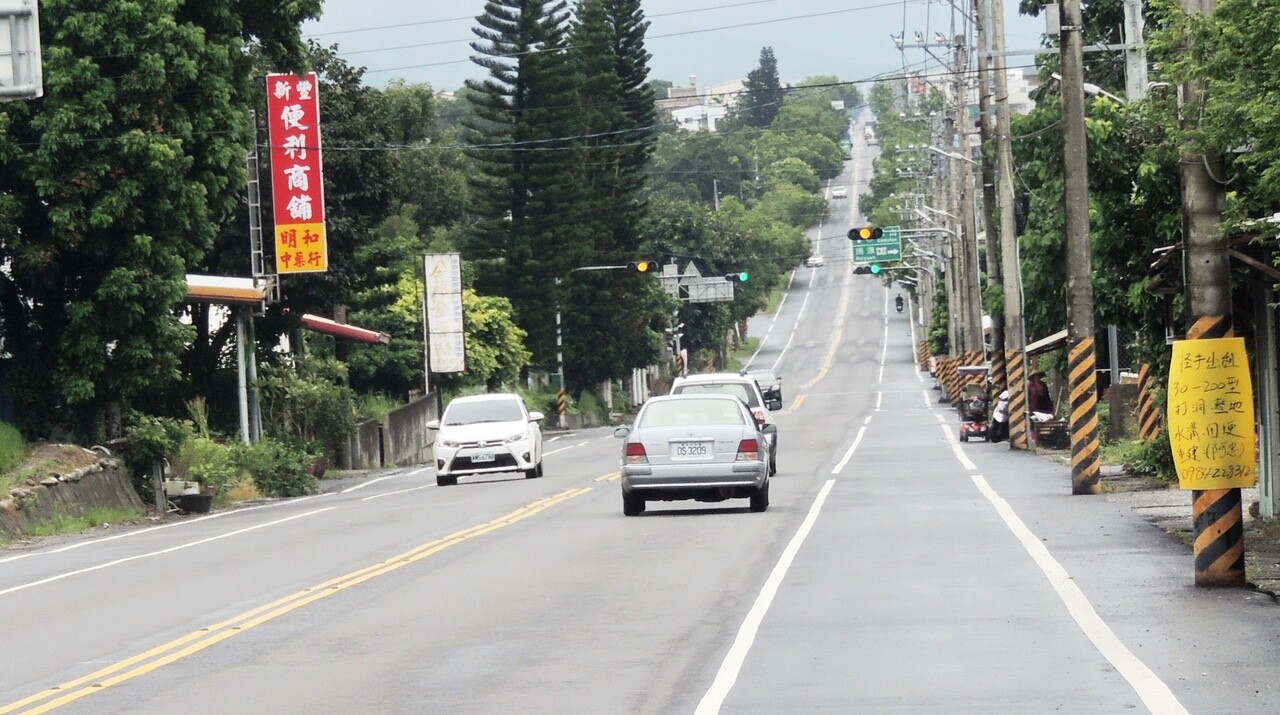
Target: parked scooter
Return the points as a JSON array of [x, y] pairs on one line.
[[999, 429]]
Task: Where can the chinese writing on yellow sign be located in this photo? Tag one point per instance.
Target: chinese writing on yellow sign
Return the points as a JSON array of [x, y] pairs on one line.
[[1211, 429]]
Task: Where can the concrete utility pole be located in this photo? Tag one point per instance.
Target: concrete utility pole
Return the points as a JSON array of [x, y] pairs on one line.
[[1081, 358], [1015, 335], [960, 217], [1217, 513], [999, 377]]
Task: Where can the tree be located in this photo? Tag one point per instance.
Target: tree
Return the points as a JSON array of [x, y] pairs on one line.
[[113, 185], [522, 140], [763, 93]]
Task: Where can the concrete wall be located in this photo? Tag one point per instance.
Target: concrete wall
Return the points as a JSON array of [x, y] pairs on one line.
[[400, 438], [105, 484], [1124, 406]]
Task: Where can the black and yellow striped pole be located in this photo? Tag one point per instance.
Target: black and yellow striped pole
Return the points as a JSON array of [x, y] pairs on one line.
[[561, 399], [1016, 365], [1217, 514], [1148, 415], [1082, 376]]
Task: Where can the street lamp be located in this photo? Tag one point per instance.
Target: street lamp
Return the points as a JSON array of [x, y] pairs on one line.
[[1094, 90]]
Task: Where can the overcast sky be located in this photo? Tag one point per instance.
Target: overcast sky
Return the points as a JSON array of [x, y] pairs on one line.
[[714, 40]]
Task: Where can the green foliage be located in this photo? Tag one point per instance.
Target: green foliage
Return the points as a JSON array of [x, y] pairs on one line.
[[12, 446], [762, 96], [792, 170], [1155, 458], [152, 439], [310, 404], [208, 462], [92, 518], [279, 467]]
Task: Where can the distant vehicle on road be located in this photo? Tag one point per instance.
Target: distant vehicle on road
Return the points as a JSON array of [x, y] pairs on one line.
[[869, 134], [743, 387], [482, 434], [705, 447], [814, 261], [839, 192]]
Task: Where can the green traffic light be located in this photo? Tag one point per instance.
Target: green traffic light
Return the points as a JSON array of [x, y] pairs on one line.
[[875, 268], [743, 276]]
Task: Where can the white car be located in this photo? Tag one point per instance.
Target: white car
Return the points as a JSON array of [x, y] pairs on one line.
[[814, 261], [483, 434], [839, 192]]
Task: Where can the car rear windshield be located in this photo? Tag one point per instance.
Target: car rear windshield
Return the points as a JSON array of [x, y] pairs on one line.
[[739, 390], [682, 413], [466, 413]]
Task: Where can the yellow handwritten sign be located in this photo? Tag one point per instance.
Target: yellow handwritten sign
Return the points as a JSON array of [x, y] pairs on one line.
[[1211, 429]]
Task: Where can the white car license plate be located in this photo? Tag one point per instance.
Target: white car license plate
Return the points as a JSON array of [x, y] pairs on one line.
[[482, 457], [690, 450]]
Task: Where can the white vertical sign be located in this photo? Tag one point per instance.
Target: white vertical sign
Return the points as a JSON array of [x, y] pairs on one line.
[[442, 303]]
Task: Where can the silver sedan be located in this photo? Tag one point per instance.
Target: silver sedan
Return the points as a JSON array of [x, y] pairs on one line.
[[706, 447]]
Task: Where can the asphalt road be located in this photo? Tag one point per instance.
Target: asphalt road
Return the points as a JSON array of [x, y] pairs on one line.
[[896, 570]]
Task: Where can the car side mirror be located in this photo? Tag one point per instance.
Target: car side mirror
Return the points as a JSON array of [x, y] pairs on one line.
[[773, 405], [769, 428], [535, 416], [433, 424], [622, 432]]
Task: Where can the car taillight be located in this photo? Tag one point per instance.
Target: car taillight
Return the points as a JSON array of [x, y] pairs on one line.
[[748, 450], [635, 453], [759, 415]]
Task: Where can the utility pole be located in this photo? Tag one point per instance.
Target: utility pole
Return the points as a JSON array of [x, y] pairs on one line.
[[960, 254], [1217, 515], [1081, 358], [995, 274], [1015, 335]]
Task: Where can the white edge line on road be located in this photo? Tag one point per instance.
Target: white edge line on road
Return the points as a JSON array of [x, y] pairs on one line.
[[879, 399], [940, 419], [161, 527], [792, 336], [927, 401], [171, 549], [733, 660], [371, 482], [849, 455], [562, 449], [955, 447], [1155, 694], [884, 353], [401, 491]]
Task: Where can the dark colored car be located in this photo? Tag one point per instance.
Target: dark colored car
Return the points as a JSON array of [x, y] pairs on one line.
[[770, 383]]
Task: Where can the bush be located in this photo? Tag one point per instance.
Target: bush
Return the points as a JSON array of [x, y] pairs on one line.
[[311, 405], [12, 446], [211, 464], [152, 439], [279, 468], [1155, 458]]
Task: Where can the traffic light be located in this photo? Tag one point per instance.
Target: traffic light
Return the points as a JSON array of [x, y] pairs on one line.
[[865, 233], [643, 266], [736, 277], [873, 269]]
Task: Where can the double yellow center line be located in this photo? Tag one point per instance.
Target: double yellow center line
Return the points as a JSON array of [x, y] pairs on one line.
[[197, 641]]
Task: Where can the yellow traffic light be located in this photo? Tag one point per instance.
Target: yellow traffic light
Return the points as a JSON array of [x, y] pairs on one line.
[[643, 266], [866, 233]]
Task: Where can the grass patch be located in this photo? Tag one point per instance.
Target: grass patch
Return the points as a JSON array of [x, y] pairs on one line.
[[92, 518], [775, 299], [44, 459], [742, 354], [1122, 453], [375, 406]]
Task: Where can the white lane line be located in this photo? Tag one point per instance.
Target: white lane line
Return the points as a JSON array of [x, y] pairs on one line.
[[778, 311], [849, 455], [371, 482], [792, 336], [940, 419], [955, 447], [927, 401], [562, 449], [1155, 694], [867, 421], [153, 529], [397, 492], [884, 353], [879, 399], [729, 669], [171, 549]]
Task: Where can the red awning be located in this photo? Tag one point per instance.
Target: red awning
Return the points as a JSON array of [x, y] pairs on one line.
[[342, 330]]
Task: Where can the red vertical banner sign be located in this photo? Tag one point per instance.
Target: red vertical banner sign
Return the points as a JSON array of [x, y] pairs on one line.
[[297, 181]]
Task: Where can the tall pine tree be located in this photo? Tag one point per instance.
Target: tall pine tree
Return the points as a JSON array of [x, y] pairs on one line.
[[523, 141], [762, 96], [617, 115]]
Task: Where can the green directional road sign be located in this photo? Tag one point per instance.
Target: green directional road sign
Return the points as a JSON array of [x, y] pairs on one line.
[[886, 249]]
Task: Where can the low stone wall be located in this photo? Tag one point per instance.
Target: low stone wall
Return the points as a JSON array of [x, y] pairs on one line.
[[401, 438], [105, 484]]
